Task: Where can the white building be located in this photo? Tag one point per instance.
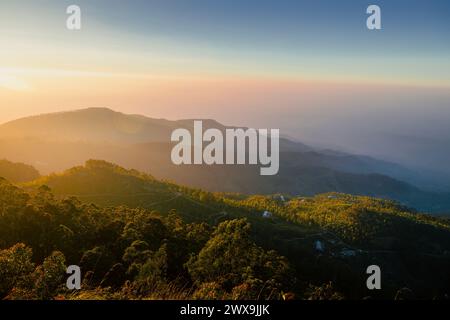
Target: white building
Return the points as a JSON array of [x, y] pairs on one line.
[[319, 246], [267, 214]]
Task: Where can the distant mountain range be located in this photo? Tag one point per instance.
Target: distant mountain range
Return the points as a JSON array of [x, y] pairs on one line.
[[17, 172], [54, 142]]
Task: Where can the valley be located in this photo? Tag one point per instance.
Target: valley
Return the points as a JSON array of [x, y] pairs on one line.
[[56, 142]]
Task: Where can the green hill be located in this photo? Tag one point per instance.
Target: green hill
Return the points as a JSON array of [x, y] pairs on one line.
[[357, 219], [106, 184], [354, 231]]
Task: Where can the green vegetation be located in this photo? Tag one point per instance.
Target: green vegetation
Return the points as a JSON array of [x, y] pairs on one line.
[[130, 251], [136, 237]]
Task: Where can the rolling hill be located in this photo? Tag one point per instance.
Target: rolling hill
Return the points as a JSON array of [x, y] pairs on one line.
[[17, 172], [54, 142], [354, 231]]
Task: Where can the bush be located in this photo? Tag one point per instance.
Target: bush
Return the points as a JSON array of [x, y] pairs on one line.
[[15, 267]]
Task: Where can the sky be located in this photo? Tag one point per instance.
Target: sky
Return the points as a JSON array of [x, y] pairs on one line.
[[310, 68]]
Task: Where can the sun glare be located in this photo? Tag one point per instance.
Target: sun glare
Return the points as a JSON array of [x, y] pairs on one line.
[[13, 83]]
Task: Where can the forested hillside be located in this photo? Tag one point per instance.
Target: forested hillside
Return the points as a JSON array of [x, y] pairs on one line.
[[137, 237]]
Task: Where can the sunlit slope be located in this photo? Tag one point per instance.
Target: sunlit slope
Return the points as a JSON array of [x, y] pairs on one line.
[[58, 141], [353, 231], [106, 184], [366, 221]]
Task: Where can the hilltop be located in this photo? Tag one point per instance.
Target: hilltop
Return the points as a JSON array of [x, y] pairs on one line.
[[17, 172]]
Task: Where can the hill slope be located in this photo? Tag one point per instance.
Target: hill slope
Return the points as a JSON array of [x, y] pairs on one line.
[[354, 231], [107, 184], [55, 142], [17, 172]]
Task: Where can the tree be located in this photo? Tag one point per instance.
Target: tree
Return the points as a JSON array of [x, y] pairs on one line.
[[153, 272], [15, 267], [324, 292], [49, 277], [233, 260], [145, 227], [99, 260]]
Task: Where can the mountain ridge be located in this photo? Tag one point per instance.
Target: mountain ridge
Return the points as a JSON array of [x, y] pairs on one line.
[[54, 142]]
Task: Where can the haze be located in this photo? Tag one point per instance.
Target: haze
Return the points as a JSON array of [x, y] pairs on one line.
[[312, 70]]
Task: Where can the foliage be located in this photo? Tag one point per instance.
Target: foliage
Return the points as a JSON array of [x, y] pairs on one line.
[[324, 292], [135, 237], [15, 266], [233, 261]]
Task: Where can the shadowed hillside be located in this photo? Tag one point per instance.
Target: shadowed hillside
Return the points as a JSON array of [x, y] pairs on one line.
[[55, 142], [17, 172]]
